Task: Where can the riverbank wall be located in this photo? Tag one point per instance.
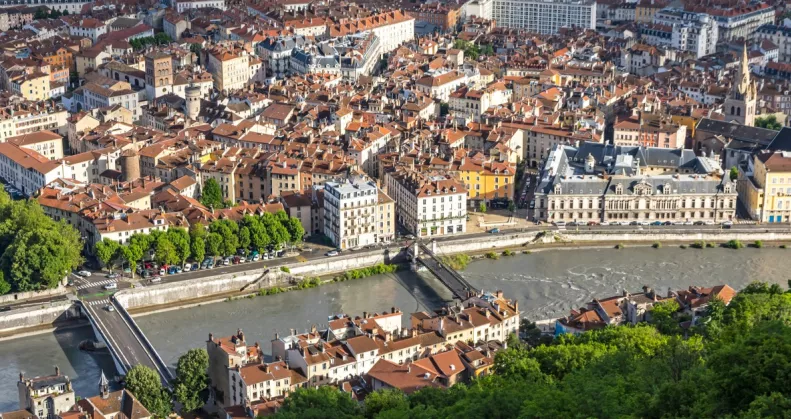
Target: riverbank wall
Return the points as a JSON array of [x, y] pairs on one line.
[[173, 295]]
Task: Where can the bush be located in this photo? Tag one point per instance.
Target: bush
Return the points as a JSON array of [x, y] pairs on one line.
[[285, 269], [683, 246], [492, 255], [700, 244], [508, 252], [758, 244], [656, 245], [379, 268], [783, 246], [619, 246], [710, 245], [734, 244], [309, 283], [456, 262], [271, 291]]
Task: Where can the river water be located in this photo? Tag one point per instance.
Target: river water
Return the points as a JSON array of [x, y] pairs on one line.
[[547, 284]]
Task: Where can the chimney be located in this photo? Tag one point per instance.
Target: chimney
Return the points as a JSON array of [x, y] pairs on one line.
[[57, 371], [211, 337]]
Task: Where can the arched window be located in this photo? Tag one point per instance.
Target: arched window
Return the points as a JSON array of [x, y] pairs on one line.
[[733, 110], [738, 111]]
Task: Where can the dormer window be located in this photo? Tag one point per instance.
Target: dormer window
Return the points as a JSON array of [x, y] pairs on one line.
[[619, 189], [557, 189]]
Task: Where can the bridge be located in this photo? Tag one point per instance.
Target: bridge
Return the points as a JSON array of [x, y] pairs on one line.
[[125, 341], [448, 276]]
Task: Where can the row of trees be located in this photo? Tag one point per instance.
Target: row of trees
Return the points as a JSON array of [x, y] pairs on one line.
[[158, 39], [735, 364], [221, 238], [44, 13], [36, 252], [189, 389]]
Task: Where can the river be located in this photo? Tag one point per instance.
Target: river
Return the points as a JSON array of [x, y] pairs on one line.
[[547, 284]]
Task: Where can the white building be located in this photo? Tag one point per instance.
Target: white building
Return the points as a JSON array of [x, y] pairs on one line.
[[428, 204], [544, 16], [357, 214], [780, 36], [182, 6], [28, 170], [694, 32], [741, 22], [88, 28]]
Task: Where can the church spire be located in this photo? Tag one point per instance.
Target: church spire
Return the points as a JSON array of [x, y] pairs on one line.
[[104, 386], [741, 84]]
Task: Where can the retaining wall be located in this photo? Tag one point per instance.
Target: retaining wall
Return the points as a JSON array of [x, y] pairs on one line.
[[47, 313]]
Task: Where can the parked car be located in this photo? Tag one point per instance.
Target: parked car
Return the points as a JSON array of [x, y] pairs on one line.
[[332, 253], [727, 224], [235, 260], [624, 223], [656, 223], [698, 223], [592, 223], [195, 266], [604, 223], [84, 273], [688, 223], [709, 222], [145, 273], [111, 286], [242, 259], [207, 263], [494, 230], [226, 261], [162, 272], [187, 267], [667, 223], [156, 279], [112, 276], [559, 223], [171, 270], [644, 223], [256, 257]]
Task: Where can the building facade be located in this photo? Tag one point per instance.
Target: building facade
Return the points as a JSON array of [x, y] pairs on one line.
[[357, 213], [544, 16], [428, 204]]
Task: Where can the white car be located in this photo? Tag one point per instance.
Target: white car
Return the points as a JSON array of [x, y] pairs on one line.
[[689, 223], [156, 279], [604, 223], [186, 268], [709, 222], [727, 223], [256, 258], [332, 253], [560, 223], [644, 223], [624, 223], [84, 273], [111, 286], [109, 307]]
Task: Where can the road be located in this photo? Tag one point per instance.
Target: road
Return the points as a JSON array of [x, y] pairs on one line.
[[119, 334]]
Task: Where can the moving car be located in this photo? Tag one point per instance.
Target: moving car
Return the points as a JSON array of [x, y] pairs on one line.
[[84, 273], [111, 286], [112, 276], [494, 230], [109, 307], [332, 253], [156, 279]]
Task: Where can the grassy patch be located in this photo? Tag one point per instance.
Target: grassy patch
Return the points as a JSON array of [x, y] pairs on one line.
[[699, 244], [456, 262], [492, 255], [379, 268], [734, 244], [508, 252], [285, 269], [619, 246], [758, 244]]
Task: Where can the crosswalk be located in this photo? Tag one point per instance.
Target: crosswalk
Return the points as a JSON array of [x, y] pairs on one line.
[[95, 284], [100, 303]]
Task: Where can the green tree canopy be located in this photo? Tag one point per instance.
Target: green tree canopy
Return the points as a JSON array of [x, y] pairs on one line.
[[181, 241], [107, 250], [192, 378], [145, 384], [768, 122], [166, 253], [211, 196]]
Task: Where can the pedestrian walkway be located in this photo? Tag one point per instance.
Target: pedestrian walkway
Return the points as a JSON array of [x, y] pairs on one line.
[[103, 302], [95, 284]]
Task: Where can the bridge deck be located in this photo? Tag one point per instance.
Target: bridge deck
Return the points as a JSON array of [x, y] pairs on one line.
[[448, 276], [124, 341]]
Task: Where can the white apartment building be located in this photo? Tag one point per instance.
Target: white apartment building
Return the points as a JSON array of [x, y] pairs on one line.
[[88, 28], [19, 120], [544, 16], [694, 32], [393, 28], [100, 96], [741, 22], [182, 6], [257, 381], [231, 70], [357, 214], [471, 104], [428, 204], [442, 85], [780, 36], [28, 170]]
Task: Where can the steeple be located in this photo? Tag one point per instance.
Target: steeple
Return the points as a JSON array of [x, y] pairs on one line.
[[740, 104], [742, 85], [104, 386]]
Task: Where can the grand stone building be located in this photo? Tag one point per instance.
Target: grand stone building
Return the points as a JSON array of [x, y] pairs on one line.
[[599, 182]]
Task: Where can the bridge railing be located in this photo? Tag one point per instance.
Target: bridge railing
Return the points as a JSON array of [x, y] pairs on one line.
[[107, 340], [452, 271], [164, 370]]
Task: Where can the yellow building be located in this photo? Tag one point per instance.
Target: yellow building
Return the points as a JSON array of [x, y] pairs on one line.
[[486, 180], [646, 9], [34, 86], [767, 192]]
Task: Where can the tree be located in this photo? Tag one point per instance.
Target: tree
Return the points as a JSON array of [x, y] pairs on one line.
[[229, 231], [663, 316], [181, 241], [211, 195], [482, 207], [106, 250], [511, 205], [734, 173], [145, 384], [166, 253], [318, 403], [382, 400], [192, 378], [768, 122], [214, 244], [295, 230], [244, 238], [198, 247], [133, 253]]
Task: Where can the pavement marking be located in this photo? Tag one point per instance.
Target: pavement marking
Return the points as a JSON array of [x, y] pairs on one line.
[[99, 302], [96, 284]]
